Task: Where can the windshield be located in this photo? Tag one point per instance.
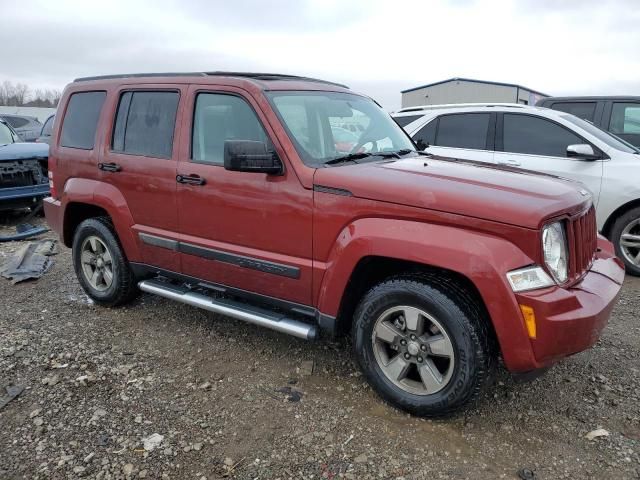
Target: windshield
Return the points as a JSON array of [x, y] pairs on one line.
[[603, 136], [329, 125], [5, 135]]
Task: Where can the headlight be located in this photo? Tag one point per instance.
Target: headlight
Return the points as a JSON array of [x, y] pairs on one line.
[[554, 248], [529, 278]]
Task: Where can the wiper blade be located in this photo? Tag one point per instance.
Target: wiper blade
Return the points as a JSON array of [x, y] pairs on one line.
[[407, 151], [347, 158]]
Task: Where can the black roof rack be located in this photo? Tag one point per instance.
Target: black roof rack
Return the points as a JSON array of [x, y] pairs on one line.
[[273, 76], [142, 75], [250, 75]]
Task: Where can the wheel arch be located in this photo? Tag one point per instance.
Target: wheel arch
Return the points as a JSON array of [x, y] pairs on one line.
[[373, 248], [85, 199], [621, 210]]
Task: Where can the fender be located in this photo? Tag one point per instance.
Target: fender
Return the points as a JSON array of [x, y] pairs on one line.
[[482, 258], [108, 197]]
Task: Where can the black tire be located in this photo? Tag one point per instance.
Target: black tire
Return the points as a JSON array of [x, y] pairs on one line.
[[616, 233], [123, 287], [465, 324]]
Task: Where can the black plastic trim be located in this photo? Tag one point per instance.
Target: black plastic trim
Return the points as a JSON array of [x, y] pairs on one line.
[[158, 241], [332, 190], [220, 256]]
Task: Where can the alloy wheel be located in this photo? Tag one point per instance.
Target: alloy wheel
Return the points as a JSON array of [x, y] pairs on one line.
[[97, 263], [630, 242], [413, 350]]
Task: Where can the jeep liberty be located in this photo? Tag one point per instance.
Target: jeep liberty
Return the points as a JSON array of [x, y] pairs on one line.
[[230, 192]]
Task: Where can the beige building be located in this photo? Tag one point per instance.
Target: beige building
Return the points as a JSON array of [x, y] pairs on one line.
[[466, 90]]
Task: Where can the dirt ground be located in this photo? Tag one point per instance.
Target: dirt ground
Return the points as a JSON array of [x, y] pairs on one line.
[[230, 400]]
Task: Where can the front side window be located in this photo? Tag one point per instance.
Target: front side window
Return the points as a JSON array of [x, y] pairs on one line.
[[145, 123], [218, 118], [463, 130], [426, 136], [625, 118], [81, 120], [318, 122], [47, 128], [586, 110], [404, 121], [537, 136], [6, 136]]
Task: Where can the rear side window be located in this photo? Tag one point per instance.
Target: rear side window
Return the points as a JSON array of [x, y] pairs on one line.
[[16, 122], [537, 136], [625, 118], [404, 121], [426, 135], [219, 118], [145, 123], [81, 120], [586, 110], [468, 130]]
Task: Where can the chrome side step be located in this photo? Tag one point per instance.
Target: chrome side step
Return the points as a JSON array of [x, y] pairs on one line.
[[231, 308]]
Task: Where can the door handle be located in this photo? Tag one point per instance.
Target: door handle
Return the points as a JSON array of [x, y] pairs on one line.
[[109, 167], [509, 163], [190, 179]]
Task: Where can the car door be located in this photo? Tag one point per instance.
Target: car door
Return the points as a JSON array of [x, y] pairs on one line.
[[250, 231], [467, 136], [536, 143], [624, 121], [140, 162]]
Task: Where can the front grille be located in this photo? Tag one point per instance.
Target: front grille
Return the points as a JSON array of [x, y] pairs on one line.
[[582, 242]]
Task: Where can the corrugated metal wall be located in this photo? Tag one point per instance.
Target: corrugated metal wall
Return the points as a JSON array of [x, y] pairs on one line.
[[463, 92]]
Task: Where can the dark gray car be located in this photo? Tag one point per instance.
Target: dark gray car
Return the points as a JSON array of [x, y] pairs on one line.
[[28, 127], [47, 128], [618, 115]]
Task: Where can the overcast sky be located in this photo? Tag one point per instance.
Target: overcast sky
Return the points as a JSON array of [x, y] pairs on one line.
[[377, 47]]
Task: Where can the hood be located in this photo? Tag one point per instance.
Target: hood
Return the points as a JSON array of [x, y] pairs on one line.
[[493, 193], [23, 151]]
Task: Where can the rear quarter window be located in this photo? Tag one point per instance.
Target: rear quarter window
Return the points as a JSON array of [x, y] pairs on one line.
[[81, 120]]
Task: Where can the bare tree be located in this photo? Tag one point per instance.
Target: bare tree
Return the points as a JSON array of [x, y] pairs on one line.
[[19, 94]]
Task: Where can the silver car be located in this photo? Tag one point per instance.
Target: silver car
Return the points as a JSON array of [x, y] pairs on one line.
[[27, 127], [550, 141]]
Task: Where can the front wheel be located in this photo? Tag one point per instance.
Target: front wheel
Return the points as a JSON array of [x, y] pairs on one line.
[[625, 236], [423, 345], [100, 264]]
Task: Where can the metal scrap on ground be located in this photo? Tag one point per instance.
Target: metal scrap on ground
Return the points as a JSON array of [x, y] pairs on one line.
[[32, 260], [24, 231], [12, 391]]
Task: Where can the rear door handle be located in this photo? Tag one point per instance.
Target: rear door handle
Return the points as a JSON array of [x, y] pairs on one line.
[[109, 167], [190, 179]]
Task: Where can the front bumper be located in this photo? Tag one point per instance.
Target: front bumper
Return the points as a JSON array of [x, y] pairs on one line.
[[28, 192], [570, 320]]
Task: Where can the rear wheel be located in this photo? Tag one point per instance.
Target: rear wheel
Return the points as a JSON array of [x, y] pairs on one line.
[[100, 264], [423, 345], [625, 235]]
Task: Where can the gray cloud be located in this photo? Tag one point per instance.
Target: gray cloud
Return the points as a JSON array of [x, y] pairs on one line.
[[372, 45]]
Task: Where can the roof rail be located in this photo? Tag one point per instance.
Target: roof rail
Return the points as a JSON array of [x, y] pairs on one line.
[[141, 75], [253, 76], [420, 108], [273, 76]]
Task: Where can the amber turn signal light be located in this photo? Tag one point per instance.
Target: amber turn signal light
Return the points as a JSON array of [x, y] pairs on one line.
[[529, 320]]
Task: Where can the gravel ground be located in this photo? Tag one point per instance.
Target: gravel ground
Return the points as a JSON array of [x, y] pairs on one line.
[[161, 390]]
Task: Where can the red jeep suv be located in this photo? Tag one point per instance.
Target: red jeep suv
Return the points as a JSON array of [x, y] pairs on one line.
[[229, 192]]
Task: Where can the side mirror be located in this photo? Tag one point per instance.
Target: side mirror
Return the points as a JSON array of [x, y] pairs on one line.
[[250, 156], [582, 151]]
